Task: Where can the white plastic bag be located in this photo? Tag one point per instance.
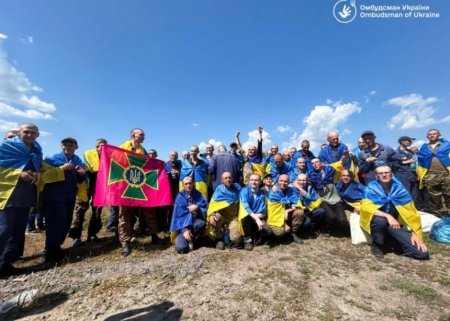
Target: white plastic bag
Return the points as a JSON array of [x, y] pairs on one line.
[[359, 236]]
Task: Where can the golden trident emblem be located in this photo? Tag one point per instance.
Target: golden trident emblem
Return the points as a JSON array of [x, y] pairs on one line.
[[135, 176]]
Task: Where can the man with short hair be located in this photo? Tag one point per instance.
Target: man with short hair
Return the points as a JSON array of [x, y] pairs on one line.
[[279, 167], [300, 168], [253, 159], [20, 160], [61, 183], [188, 219], [375, 155], [336, 154], [284, 214], [385, 204], [223, 210], [433, 170], [269, 158], [350, 191], [197, 169], [127, 213], [92, 160], [404, 172], [253, 213], [310, 202], [322, 179], [173, 168]]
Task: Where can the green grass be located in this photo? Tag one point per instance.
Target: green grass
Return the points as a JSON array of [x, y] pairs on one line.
[[422, 292]]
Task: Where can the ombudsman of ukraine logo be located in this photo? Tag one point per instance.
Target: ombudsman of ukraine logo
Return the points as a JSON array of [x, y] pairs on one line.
[[345, 11]]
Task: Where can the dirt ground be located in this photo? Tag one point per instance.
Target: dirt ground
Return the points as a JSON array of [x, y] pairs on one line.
[[323, 279]]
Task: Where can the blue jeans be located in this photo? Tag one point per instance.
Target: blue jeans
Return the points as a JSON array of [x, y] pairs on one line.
[[58, 217], [400, 238], [13, 222], [181, 244], [113, 218]]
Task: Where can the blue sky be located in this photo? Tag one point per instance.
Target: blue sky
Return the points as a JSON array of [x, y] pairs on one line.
[[192, 71]]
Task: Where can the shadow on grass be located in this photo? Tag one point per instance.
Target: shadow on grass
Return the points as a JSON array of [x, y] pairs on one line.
[[39, 305], [156, 312]]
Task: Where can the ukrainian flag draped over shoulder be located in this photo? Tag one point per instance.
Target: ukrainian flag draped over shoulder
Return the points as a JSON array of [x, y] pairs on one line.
[[352, 195], [375, 198], [128, 145], [14, 156], [254, 163], [92, 160], [199, 174], [328, 157], [426, 155], [224, 197], [311, 200], [276, 202], [52, 172], [181, 217], [249, 203]]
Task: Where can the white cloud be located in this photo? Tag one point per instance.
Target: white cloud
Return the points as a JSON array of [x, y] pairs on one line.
[[371, 93], [195, 124], [6, 110], [18, 93], [212, 141], [415, 112], [28, 40], [283, 129], [3, 36], [8, 125], [320, 121], [253, 137]]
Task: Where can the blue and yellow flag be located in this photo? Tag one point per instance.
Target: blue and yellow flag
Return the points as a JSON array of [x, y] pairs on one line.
[[52, 172], [352, 195], [311, 200], [333, 159], [92, 160], [318, 179], [249, 204], [182, 217], [276, 203], [374, 198], [223, 197], [14, 156], [426, 155], [199, 174]]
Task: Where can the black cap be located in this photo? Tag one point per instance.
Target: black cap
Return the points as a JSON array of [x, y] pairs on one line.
[[69, 139], [367, 132], [405, 138]]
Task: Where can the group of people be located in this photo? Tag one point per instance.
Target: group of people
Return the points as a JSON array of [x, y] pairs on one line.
[[236, 198]]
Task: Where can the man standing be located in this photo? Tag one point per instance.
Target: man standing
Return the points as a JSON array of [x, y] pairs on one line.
[[197, 169], [404, 172], [20, 160], [173, 168], [384, 203], [61, 175], [92, 159], [375, 155], [336, 154], [279, 167], [433, 169], [127, 213], [253, 159], [188, 219], [224, 162]]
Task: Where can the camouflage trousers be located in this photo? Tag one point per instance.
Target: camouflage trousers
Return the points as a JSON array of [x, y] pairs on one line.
[[438, 187], [296, 217], [95, 222]]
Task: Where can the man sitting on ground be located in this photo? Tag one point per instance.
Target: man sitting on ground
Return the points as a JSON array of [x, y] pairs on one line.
[[253, 212], [284, 214], [386, 203], [188, 219], [223, 211]]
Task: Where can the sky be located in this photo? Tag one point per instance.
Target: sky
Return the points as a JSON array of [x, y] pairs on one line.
[[192, 72]]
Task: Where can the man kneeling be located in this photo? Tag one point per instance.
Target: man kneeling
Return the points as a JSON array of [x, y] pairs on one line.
[[385, 203], [188, 218]]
